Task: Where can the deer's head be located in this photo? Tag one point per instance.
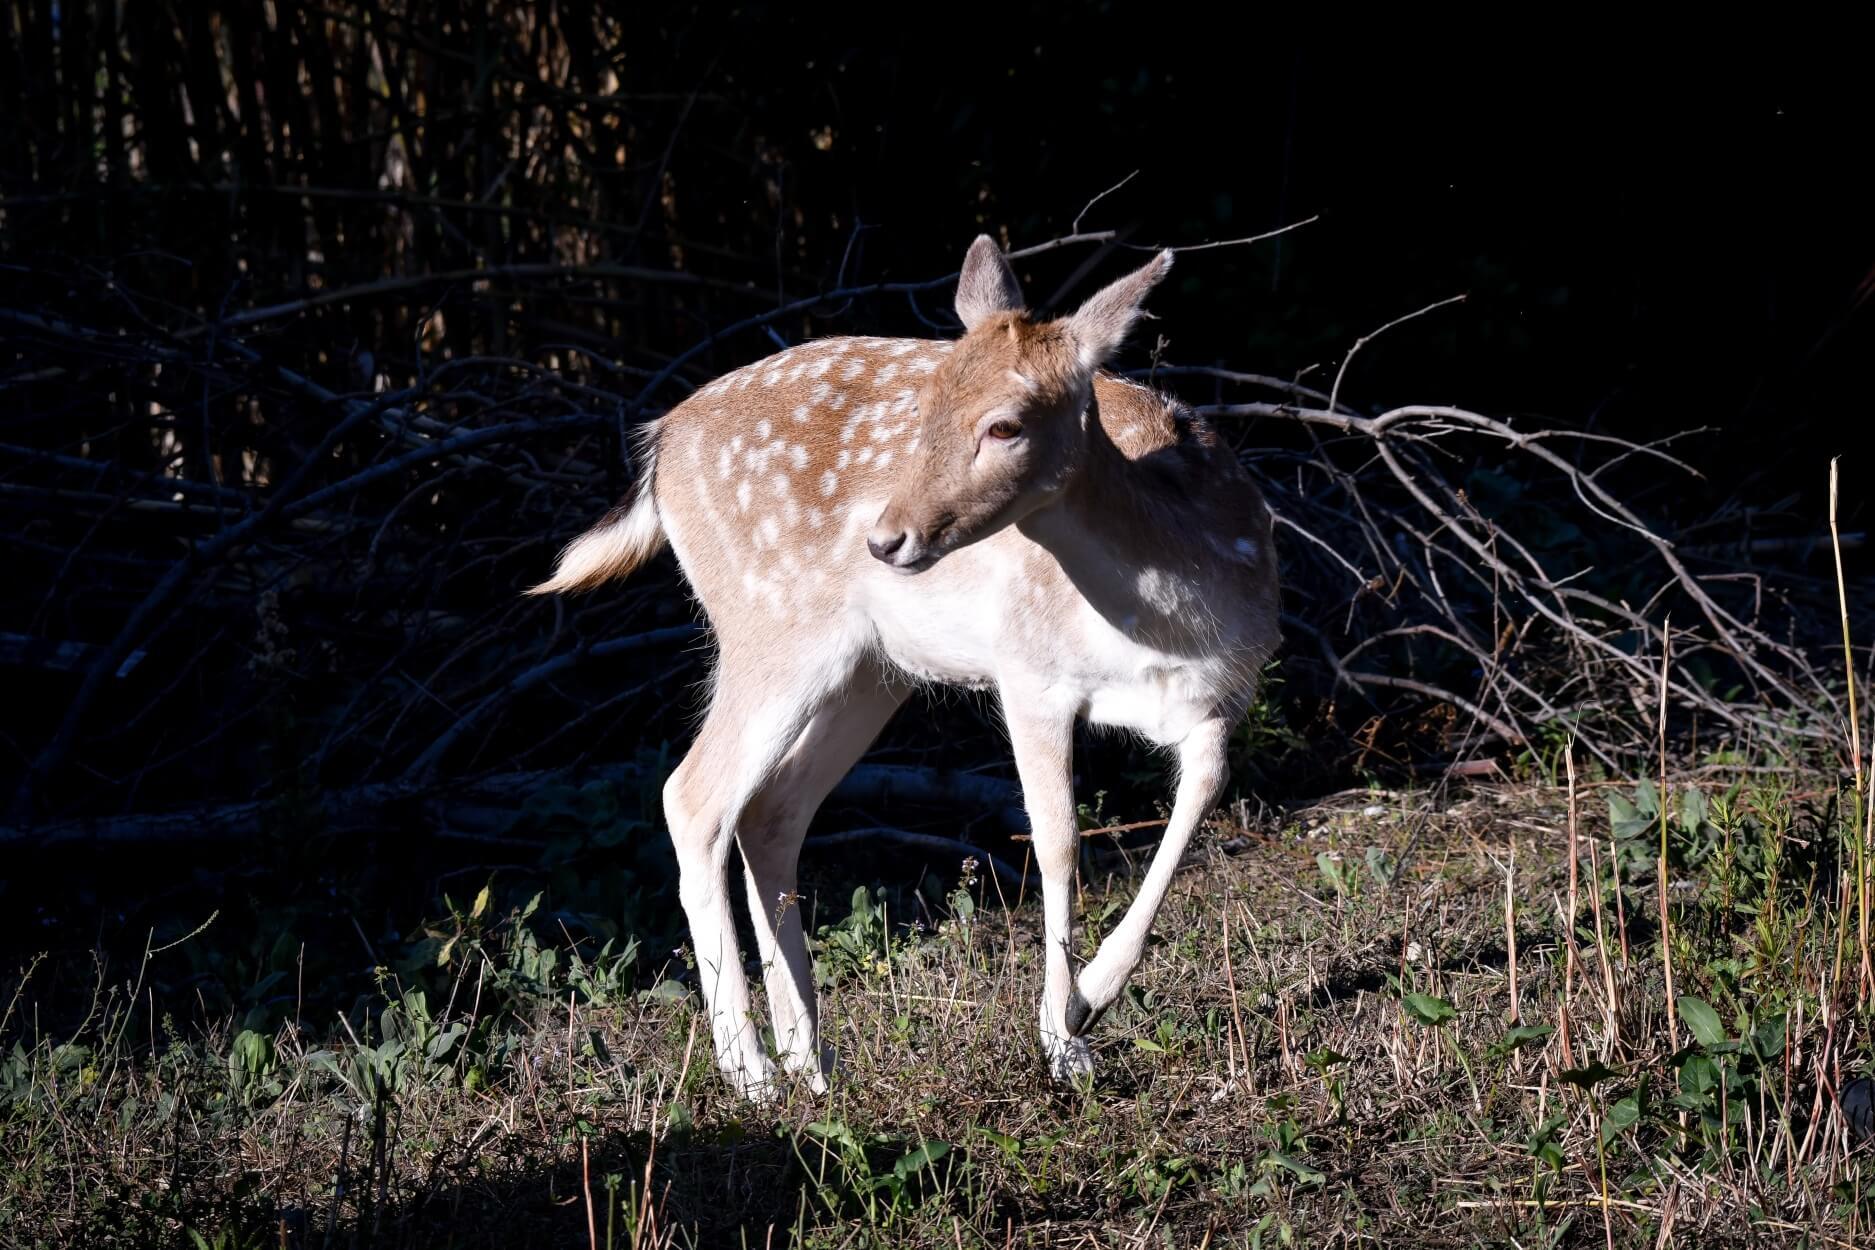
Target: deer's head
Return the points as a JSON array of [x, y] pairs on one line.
[[1003, 423]]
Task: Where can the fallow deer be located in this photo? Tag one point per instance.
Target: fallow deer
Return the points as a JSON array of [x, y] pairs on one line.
[[860, 515]]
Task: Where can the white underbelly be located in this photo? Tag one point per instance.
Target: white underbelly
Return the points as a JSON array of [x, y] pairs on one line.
[[963, 624], [1162, 705]]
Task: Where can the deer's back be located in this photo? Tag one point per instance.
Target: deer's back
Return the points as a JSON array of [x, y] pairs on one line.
[[769, 477]]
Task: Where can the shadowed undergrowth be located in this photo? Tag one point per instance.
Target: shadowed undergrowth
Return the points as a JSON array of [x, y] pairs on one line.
[[1339, 1036]]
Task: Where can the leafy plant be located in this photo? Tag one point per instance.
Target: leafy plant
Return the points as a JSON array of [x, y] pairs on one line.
[[879, 1176], [859, 946]]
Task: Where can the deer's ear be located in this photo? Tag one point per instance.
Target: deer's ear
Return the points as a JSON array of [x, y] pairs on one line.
[[987, 285], [1100, 325]]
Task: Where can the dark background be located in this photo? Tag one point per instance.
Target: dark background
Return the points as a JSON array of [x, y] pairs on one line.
[[1654, 234]]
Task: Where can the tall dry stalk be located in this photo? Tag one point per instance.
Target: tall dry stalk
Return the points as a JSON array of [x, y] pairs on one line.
[[1666, 924], [1569, 921], [1855, 744]]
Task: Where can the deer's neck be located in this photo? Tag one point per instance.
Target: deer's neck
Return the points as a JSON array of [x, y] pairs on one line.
[[1119, 531]]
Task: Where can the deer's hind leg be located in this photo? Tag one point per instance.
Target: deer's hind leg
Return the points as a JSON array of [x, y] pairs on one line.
[[761, 706], [770, 833]]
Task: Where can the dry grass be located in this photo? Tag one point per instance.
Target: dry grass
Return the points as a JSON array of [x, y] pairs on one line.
[[1317, 1048]]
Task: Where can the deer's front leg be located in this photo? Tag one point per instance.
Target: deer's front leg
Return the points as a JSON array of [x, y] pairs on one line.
[[1042, 736], [1202, 772]]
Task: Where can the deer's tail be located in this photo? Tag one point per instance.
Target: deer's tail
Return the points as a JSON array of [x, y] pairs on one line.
[[624, 538]]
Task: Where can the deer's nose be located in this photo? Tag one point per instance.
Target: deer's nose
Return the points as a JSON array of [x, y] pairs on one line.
[[884, 545]]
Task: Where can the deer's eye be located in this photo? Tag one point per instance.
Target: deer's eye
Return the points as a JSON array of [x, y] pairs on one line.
[[1003, 431]]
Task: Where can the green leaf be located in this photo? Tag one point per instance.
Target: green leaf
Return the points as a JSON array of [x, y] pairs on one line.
[[1145, 1044], [253, 1052], [834, 1131], [1518, 1036], [1621, 1117], [1699, 1076], [665, 991], [1702, 1020], [1626, 819], [1428, 1010], [1303, 1172], [1010, 1146], [482, 900], [1324, 1058], [1542, 1143], [1767, 1039], [1693, 809], [1588, 1077], [1332, 871], [924, 1156]]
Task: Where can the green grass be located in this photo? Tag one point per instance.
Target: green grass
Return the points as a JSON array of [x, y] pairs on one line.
[[1322, 1048]]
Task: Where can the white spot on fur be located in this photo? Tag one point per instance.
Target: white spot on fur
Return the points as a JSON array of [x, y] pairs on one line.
[[797, 454], [838, 401], [771, 530], [800, 412], [887, 374], [735, 444], [780, 483], [885, 458], [723, 462], [865, 454], [829, 482], [924, 364], [821, 366], [771, 377], [763, 429], [909, 345], [843, 459], [853, 369], [816, 518], [1159, 589], [742, 495]]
